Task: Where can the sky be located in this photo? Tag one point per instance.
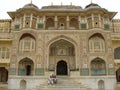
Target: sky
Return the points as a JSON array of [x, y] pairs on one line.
[[13, 5]]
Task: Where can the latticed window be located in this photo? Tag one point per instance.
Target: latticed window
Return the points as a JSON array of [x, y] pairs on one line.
[[4, 53], [96, 44], [27, 44]]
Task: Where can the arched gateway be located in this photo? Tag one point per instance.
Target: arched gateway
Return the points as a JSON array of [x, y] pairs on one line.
[[62, 68], [62, 55]]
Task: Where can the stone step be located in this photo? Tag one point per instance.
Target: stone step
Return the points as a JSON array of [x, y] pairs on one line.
[[64, 83]]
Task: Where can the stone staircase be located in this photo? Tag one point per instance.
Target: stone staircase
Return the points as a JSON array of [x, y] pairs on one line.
[[64, 83]]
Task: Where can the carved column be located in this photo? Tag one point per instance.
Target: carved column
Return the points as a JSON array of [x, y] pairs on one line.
[[44, 22], [67, 22], [79, 23], [99, 21], [56, 22], [31, 16], [93, 21], [24, 21]]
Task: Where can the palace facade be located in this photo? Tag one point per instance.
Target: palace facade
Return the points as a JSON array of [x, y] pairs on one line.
[[66, 40]]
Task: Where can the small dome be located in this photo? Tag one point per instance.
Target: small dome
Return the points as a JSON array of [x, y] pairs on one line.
[[30, 5], [93, 5]]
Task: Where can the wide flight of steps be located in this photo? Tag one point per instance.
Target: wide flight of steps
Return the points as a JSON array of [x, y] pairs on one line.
[[64, 83]]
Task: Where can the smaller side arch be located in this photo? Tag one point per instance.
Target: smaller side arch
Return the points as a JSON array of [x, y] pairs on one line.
[[98, 67], [25, 67]]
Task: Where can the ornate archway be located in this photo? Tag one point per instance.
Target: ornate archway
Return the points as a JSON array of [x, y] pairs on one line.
[[62, 68], [62, 50]]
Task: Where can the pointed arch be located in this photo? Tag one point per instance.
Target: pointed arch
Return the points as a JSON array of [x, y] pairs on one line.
[[61, 37], [61, 46], [27, 43], [96, 43], [26, 67], [27, 35]]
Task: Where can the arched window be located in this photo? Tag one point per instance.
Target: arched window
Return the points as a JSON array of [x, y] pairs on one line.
[[4, 53], [98, 67], [61, 23], [50, 23], [73, 23], [117, 53], [27, 44], [96, 44]]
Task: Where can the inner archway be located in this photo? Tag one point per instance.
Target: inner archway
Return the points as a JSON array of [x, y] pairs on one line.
[[62, 68], [3, 74]]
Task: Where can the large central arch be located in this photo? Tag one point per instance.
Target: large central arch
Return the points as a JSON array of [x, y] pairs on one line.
[[62, 48]]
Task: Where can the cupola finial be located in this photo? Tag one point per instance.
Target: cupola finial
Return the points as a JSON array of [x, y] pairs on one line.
[[91, 1], [31, 1], [71, 3], [61, 3], [51, 3]]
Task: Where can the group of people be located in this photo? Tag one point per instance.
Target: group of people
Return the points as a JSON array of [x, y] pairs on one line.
[[52, 79]]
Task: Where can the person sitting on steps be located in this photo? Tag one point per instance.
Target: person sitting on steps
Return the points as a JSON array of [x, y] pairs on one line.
[[52, 79]]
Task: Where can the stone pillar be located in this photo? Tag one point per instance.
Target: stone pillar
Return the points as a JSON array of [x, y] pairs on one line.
[[44, 22], [103, 22], [67, 22], [21, 23], [100, 21], [93, 21], [31, 16], [37, 22], [79, 23], [24, 21], [86, 22], [56, 22]]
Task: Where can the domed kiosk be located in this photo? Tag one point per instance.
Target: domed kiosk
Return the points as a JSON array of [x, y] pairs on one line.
[[92, 5], [30, 5]]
